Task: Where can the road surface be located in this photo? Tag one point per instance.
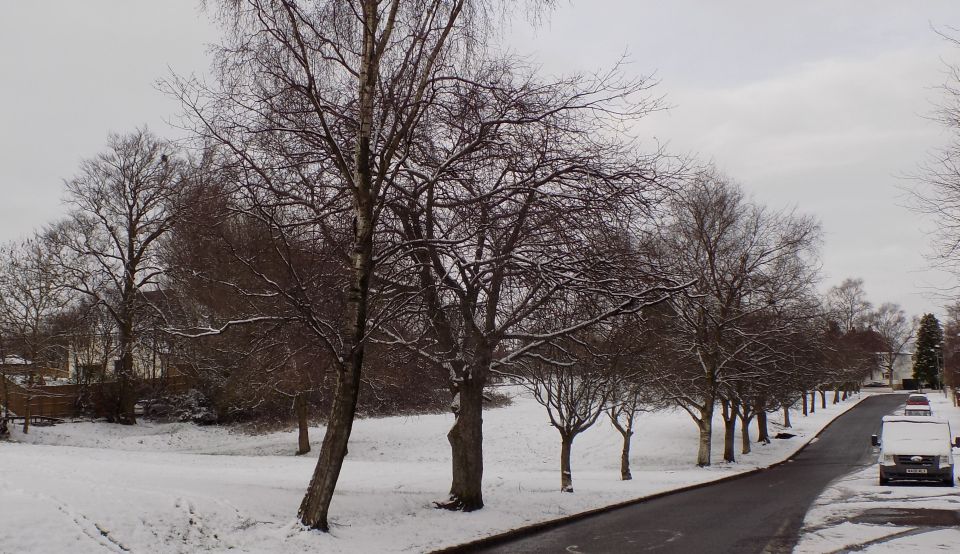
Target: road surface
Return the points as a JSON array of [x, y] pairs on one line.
[[762, 512]]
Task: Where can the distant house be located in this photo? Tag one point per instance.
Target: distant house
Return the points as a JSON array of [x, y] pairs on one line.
[[151, 357], [17, 366], [902, 369], [14, 362], [94, 353]]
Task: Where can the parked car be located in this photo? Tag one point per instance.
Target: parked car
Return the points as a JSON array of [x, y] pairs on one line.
[[916, 448], [918, 400]]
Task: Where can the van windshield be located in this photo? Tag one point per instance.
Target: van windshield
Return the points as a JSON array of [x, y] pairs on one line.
[[915, 433]]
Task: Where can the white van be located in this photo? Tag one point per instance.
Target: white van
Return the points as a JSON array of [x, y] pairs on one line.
[[916, 448]]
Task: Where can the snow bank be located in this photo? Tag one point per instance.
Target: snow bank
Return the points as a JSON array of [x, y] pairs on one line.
[[177, 487]]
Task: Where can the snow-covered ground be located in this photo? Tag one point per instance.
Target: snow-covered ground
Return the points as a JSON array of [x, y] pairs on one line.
[[852, 514], [97, 487]]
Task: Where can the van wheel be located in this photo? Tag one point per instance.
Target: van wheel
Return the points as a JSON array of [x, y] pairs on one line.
[[948, 482], [884, 480]]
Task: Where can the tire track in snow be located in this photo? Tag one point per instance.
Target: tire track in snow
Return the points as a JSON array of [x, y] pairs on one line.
[[97, 533]]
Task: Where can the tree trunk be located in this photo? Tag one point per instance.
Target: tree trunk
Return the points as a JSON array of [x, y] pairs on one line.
[[705, 425], [764, 434], [729, 440], [846, 394], [625, 474], [466, 446], [803, 395], [26, 415], [836, 395], [316, 503], [128, 392], [626, 431], [745, 433], [300, 407], [6, 395], [126, 395], [566, 476], [823, 399], [786, 417], [729, 412], [813, 401]]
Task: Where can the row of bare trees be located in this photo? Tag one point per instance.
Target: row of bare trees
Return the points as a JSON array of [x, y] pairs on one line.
[[748, 336]]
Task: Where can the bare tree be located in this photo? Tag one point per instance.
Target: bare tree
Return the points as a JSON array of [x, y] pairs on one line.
[[951, 350], [582, 375], [627, 401], [938, 190], [895, 331], [515, 199], [747, 260], [107, 248], [573, 379], [31, 294], [639, 348], [848, 302]]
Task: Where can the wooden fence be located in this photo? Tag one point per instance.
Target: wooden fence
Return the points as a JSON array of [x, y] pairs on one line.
[[67, 400]]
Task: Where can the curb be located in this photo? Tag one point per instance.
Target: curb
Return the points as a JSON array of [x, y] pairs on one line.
[[522, 532]]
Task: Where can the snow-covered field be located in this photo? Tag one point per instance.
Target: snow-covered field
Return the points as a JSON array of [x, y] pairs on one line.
[[848, 517], [96, 487]]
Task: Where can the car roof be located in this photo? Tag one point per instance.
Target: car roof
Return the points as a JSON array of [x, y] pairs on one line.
[[914, 419], [917, 395]]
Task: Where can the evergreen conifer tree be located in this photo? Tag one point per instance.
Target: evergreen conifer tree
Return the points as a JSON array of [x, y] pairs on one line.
[[926, 358]]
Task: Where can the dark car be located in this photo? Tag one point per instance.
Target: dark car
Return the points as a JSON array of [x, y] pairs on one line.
[[918, 400]]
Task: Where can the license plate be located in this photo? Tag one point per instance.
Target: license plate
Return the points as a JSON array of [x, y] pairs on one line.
[[916, 471]]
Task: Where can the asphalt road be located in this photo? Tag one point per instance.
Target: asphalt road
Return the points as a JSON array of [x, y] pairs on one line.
[[761, 512]]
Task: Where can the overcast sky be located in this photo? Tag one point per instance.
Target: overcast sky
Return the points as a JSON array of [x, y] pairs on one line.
[[821, 105]]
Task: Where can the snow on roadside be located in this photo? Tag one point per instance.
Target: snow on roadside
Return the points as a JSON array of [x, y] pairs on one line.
[[828, 526], [95, 487]]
